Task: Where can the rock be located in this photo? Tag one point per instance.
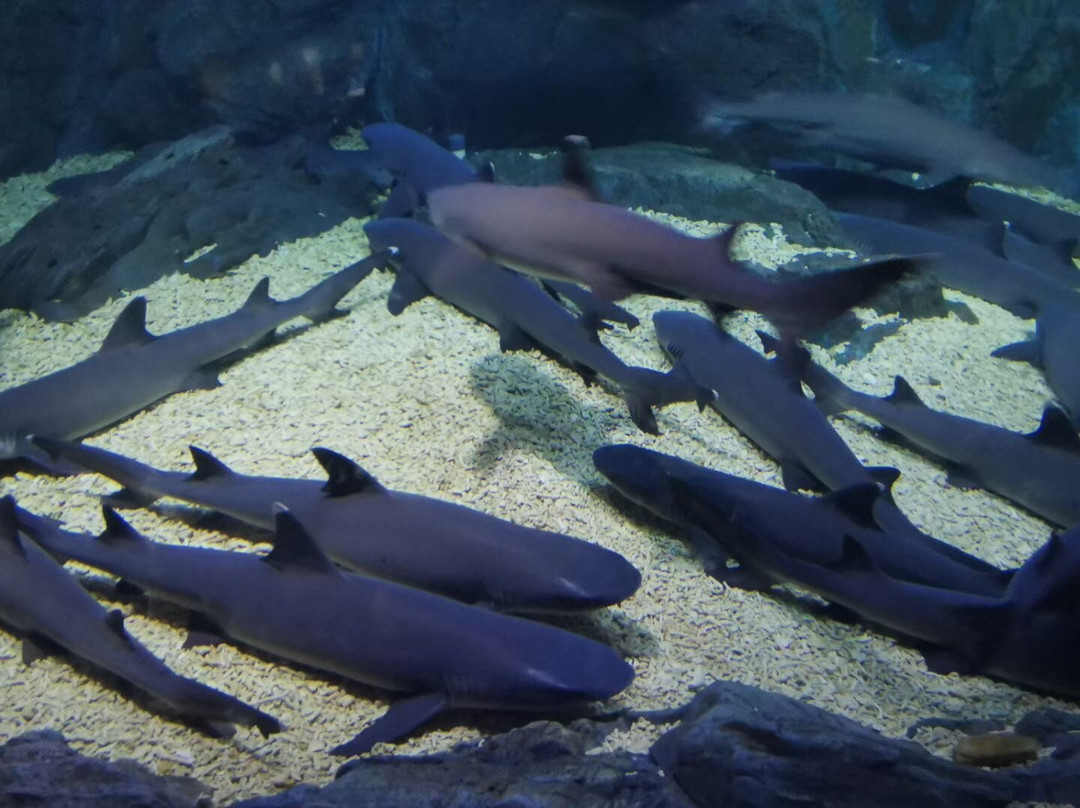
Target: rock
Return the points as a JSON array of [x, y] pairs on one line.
[[542, 765], [996, 750], [39, 768], [740, 746]]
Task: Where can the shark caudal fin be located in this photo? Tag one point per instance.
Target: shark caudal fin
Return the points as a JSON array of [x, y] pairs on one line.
[[644, 388], [136, 477], [800, 305]]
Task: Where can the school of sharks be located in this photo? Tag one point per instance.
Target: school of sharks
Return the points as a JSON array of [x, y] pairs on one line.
[[453, 600]]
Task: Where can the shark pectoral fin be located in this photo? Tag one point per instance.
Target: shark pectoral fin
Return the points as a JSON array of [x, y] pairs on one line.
[[202, 631], [127, 498], [35, 647], [407, 289], [946, 660], [403, 717], [641, 414], [345, 477], [714, 560], [204, 378], [1056, 431], [961, 477], [512, 338], [1026, 351], [400, 202], [605, 282], [797, 477]]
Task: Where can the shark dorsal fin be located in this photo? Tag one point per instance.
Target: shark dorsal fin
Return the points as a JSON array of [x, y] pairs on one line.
[[575, 165], [853, 557], [856, 502], [769, 343], [723, 241], [207, 466], [117, 530], [114, 620], [1055, 430], [260, 295], [129, 328], [9, 526], [903, 393], [345, 477], [293, 546]]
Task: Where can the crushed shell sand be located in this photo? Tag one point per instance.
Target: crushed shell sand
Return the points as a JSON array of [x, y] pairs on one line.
[[428, 404]]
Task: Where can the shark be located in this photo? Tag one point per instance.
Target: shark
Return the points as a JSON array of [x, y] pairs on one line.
[[729, 513], [428, 543], [40, 599], [295, 603], [1040, 470], [562, 232], [134, 368], [524, 314], [766, 403], [1054, 350]]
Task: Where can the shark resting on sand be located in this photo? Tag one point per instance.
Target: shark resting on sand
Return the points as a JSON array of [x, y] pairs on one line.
[[294, 602], [39, 598], [420, 541], [134, 368]]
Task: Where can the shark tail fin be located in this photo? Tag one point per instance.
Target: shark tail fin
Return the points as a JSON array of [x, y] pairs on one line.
[[320, 302], [644, 388]]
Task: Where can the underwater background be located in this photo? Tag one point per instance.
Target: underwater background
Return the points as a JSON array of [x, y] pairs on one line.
[[425, 400]]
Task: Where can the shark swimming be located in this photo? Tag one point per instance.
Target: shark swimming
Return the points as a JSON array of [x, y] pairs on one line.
[[294, 602], [423, 542], [524, 314], [39, 598], [134, 368], [560, 232], [1040, 471], [728, 513]]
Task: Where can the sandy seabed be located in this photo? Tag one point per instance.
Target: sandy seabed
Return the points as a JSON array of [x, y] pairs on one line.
[[427, 403]]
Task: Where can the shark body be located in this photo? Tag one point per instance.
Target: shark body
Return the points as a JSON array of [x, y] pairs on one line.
[[41, 599], [295, 603], [1040, 471], [524, 314], [724, 514], [133, 368], [420, 541]]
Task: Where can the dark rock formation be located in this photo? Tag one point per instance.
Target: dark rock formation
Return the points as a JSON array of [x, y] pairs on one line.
[[39, 768], [91, 76], [735, 746], [200, 205], [543, 764]]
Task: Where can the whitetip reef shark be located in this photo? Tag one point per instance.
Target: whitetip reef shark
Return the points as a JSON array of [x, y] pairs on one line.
[[416, 540], [134, 368], [39, 598], [294, 602], [524, 314], [1040, 470], [811, 529]]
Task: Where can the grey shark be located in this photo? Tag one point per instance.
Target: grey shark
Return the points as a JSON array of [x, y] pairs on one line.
[[1056, 350], [427, 543], [524, 314], [1040, 471], [725, 514], [134, 368], [295, 603], [560, 232], [39, 598]]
